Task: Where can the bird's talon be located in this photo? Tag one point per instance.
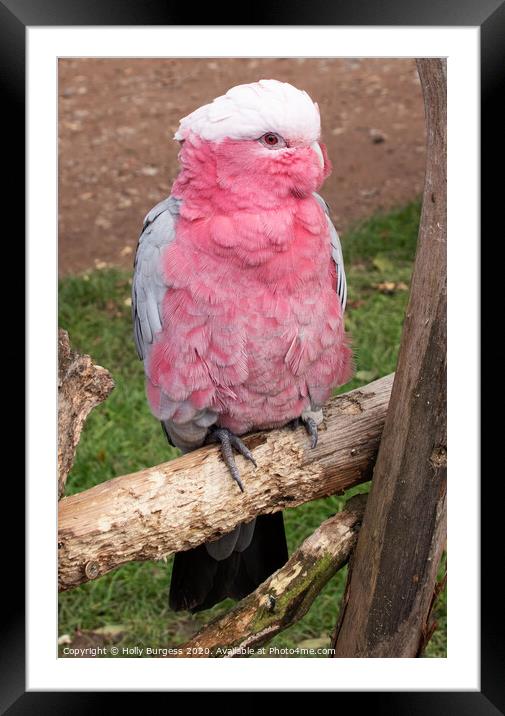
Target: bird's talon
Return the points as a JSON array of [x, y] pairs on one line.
[[229, 440], [242, 449]]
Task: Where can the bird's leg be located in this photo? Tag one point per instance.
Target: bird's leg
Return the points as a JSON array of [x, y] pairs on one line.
[[228, 441], [310, 426]]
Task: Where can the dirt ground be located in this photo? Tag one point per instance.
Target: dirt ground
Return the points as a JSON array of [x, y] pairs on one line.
[[117, 158]]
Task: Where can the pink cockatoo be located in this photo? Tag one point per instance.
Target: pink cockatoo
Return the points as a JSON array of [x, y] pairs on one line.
[[238, 298]]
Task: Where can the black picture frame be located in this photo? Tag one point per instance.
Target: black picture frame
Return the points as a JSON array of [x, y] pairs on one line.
[[489, 15]]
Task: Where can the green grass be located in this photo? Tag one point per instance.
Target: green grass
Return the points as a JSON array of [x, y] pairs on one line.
[[121, 436]]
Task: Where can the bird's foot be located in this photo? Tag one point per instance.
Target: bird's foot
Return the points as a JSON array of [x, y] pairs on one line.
[[310, 426], [229, 441]]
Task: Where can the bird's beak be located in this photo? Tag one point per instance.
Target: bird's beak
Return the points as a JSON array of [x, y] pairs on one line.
[[315, 146]]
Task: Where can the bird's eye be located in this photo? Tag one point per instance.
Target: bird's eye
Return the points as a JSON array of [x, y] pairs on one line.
[[272, 140]]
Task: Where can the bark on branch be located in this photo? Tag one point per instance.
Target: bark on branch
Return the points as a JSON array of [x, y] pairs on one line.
[[183, 503], [286, 596], [81, 386]]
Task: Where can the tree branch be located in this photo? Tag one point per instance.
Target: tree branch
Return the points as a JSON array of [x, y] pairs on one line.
[[81, 386], [180, 504], [286, 596]]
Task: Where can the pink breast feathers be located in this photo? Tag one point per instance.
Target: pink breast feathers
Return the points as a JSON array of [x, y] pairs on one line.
[[252, 324]]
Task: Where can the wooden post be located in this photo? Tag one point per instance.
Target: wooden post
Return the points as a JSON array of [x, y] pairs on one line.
[[393, 570]]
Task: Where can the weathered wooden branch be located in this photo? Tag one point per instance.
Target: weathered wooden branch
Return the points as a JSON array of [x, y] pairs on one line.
[[393, 570], [286, 596], [81, 386], [183, 503]]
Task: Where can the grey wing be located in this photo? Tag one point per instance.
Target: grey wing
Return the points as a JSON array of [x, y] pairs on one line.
[[148, 284], [149, 287], [336, 253]]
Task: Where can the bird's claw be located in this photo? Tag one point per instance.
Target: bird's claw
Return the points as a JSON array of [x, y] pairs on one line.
[[229, 441], [310, 426]]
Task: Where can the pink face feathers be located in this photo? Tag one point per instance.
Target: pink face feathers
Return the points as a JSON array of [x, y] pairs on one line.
[[233, 174]]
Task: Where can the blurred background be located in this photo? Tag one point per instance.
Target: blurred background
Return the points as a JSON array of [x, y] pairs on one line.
[[117, 159]]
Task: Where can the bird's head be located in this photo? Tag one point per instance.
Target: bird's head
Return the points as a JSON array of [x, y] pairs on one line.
[[259, 139]]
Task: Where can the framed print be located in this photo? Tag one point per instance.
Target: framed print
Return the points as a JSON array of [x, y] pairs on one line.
[[355, 576]]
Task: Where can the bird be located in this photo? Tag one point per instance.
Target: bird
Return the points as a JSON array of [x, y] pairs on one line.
[[238, 299]]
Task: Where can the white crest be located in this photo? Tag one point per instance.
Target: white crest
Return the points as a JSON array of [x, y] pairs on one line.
[[249, 111]]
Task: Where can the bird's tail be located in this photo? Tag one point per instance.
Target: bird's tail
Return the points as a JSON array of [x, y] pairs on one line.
[[206, 575]]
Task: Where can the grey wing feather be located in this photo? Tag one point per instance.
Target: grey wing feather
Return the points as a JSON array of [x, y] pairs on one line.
[[149, 285], [336, 253]]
